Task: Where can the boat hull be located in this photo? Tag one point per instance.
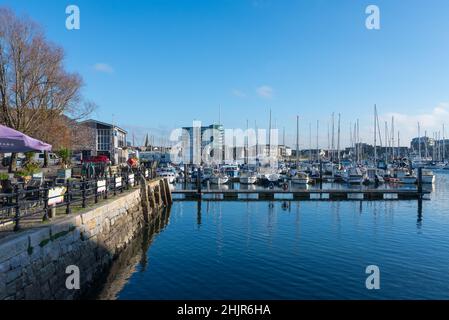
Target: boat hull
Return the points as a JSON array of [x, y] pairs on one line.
[[248, 180]]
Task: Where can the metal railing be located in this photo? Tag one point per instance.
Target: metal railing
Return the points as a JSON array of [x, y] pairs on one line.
[[43, 202]]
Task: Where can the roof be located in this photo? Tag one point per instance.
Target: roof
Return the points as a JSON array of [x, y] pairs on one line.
[[104, 123]]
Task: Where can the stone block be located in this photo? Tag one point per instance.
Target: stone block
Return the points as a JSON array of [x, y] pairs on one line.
[[13, 246], [12, 275], [37, 236]]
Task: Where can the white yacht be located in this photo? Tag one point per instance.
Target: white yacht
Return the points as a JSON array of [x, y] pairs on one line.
[[427, 176], [406, 177], [247, 177], [218, 178], [300, 178], [168, 173], [353, 176]]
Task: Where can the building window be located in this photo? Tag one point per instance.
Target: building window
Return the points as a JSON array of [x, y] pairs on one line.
[[104, 140]]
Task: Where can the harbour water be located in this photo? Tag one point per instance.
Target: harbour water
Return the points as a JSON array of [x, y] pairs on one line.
[[292, 250]]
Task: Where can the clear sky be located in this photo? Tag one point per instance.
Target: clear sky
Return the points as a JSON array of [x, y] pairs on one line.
[[157, 65]]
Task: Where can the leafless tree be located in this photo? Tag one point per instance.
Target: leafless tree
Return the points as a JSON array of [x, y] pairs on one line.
[[34, 87]]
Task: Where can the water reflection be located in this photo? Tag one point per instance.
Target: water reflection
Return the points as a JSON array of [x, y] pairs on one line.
[[133, 259], [284, 250]]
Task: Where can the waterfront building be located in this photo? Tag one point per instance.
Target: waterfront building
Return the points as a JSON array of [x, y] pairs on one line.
[[195, 139], [105, 139]]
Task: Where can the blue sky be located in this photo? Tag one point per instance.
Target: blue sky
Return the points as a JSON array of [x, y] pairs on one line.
[[157, 65]]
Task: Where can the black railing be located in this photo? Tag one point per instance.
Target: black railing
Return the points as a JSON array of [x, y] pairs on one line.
[[43, 202]]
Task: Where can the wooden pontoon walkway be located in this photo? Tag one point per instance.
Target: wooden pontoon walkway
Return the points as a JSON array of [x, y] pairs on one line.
[[282, 195]]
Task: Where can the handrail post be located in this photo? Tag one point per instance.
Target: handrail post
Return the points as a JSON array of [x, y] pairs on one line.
[[83, 192], [17, 214], [96, 190], [68, 198], [115, 185], [106, 186], [45, 202]]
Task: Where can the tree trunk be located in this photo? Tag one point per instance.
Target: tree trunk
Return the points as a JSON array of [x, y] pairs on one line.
[[45, 159], [13, 163]]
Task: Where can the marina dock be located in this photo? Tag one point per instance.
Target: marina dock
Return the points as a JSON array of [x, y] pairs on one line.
[[303, 195]]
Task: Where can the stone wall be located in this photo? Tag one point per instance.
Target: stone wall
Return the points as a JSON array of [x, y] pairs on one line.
[[33, 263]]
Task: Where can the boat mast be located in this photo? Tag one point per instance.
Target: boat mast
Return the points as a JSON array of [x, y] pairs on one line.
[[375, 136], [328, 141], [333, 136], [444, 145], [317, 144], [359, 153], [310, 142], [246, 145], [386, 142], [419, 142], [350, 134], [257, 141], [269, 137], [297, 142], [425, 144], [392, 137], [338, 141]]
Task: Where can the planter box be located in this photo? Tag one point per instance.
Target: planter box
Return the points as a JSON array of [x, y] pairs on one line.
[[64, 174], [39, 175]]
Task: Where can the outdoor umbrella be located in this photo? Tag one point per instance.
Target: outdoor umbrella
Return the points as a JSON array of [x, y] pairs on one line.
[[14, 141]]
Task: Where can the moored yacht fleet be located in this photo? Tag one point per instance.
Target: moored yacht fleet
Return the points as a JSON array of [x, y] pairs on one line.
[[303, 173], [353, 167]]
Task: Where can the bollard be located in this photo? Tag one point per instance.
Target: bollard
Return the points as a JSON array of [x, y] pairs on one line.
[[168, 192], [185, 176], [163, 192], [144, 198], [420, 194], [198, 182]]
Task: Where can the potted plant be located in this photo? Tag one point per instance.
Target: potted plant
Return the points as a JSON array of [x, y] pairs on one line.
[[29, 169], [65, 156], [5, 182]]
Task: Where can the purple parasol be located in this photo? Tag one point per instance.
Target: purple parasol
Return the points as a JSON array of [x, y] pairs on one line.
[[15, 141]]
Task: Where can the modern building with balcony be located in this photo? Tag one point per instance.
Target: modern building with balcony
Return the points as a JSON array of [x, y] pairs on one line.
[[105, 139]]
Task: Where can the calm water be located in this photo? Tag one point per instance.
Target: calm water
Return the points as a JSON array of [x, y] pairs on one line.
[[309, 250]]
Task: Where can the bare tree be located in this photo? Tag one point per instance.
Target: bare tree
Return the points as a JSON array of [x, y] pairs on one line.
[[34, 87]]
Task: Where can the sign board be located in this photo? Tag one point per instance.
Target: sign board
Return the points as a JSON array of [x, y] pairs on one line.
[[118, 182], [131, 179], [56, 195], [101, 186]]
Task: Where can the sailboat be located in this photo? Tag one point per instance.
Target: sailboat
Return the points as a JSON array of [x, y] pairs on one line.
[[247, 177], [218, 178], [299, 177]]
